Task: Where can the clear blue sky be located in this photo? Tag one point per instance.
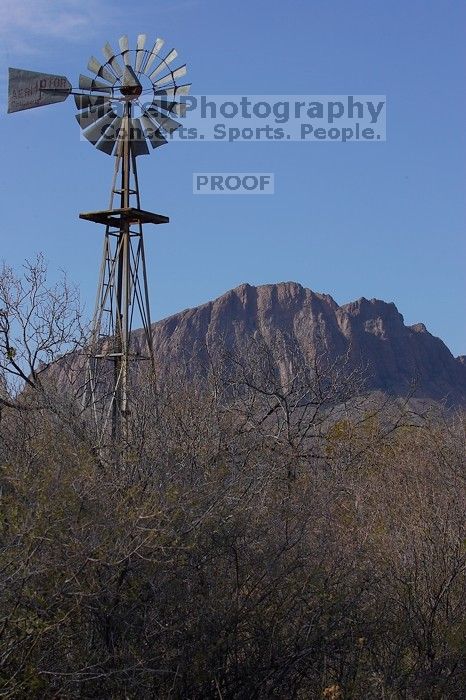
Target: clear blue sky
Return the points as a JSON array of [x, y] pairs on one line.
[[381, 220]]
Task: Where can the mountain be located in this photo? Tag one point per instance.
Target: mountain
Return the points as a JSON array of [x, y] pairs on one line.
[[289, 318]]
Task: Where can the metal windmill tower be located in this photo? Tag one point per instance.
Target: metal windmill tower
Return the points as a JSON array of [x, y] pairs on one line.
[[129, 101]]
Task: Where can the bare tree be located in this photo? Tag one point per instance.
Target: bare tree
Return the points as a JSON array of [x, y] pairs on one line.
[[40, 323]]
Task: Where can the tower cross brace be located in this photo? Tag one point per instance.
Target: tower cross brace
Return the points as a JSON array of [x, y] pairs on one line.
[[122, 295]]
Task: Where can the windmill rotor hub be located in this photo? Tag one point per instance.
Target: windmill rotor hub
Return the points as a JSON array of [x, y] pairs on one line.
[[131, 92], [131, 87]]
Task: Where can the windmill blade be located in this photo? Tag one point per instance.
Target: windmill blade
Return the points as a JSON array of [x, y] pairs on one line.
[[175, 90], [177, 108], [111, 58], [28, 89], [96, 67], [138, 139], [98, 129], [173, 75], [124, 48], [164, 63], [107, 143], [183, 89], [85, 101], [141, 42], [86, 83], [165, 122], [89, 116], [152, 131], [153, 54]]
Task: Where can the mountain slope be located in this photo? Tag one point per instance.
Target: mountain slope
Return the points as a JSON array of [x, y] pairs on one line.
[[290, 318]]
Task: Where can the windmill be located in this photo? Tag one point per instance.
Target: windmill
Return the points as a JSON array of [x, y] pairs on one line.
[[128, 104]]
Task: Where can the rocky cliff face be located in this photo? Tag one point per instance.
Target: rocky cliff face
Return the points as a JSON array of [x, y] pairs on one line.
[[371, 332]]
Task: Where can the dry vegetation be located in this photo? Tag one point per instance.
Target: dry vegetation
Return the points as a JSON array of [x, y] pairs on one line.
[[254, 540]]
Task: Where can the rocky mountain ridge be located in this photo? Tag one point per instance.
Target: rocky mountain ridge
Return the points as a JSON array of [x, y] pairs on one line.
[[371, 333]]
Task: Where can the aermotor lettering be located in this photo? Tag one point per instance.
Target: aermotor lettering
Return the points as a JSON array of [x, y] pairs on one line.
[[37, 86], [29, 89]]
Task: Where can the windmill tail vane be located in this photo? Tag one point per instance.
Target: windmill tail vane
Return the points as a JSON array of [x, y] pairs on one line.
[[129, 102]]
